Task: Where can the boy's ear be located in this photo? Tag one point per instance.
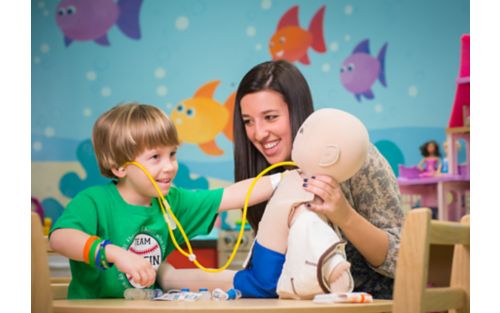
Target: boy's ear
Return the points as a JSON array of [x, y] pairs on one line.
[[119, 172]]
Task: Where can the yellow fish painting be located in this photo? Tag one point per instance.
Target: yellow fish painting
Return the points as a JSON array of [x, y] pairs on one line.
[[201, 118]]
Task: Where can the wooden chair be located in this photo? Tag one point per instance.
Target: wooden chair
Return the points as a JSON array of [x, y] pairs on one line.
[[41, 293], [55, 279], [411, 293]]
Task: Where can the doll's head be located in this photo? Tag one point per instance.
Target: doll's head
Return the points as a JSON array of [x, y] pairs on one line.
[[331, 142], [430, 148]]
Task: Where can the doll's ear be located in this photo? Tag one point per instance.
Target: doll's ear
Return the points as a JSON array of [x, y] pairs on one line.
[[330, 155]]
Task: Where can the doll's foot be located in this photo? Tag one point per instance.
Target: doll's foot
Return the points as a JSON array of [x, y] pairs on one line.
[[340, 280]]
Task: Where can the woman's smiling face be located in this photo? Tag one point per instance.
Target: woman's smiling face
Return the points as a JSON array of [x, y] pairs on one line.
[[267, 124]]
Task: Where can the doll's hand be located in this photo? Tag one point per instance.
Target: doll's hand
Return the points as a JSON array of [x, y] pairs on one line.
[[133, 265], [329, 199]]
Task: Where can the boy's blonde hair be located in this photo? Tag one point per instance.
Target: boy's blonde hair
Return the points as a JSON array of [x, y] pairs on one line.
[[122, 133]]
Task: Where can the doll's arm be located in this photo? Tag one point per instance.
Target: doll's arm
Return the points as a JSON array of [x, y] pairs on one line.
[[419, 165], [274, 225]]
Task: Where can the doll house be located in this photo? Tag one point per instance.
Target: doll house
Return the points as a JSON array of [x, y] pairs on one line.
[[448, 191]]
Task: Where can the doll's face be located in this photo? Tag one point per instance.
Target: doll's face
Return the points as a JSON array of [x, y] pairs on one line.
[[331, 142], [431, 148]]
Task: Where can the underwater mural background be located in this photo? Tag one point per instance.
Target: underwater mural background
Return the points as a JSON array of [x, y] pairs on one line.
[[189, 56]]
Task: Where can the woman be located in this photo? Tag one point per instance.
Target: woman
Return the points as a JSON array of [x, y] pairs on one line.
[[272, 101]]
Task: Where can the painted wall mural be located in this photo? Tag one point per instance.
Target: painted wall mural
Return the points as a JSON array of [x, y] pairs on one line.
[[92, 19], [360, 70], [201, 118], [374, 59], [291, 42]]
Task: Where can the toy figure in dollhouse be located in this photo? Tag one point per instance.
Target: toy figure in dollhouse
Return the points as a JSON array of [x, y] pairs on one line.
[[445, 163], [430, 165]]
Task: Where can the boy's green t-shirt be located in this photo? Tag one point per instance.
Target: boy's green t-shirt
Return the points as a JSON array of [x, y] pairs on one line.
[[101, 211]]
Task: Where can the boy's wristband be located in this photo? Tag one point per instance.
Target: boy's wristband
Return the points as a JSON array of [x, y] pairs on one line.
[[95, 244], [101, 260], [86, 248]]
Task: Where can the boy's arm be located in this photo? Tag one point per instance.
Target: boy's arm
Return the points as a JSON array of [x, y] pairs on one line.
[[71, 242], [235, 194], [172, 278]]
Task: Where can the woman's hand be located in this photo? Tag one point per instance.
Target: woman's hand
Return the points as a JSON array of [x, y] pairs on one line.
[[134, 266], [329, 199]]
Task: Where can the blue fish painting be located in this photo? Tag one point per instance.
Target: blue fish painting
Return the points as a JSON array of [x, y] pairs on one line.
[[360, 70], [92, 19]]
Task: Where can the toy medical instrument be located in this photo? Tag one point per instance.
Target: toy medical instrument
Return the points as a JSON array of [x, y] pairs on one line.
[[141, 294], [169, 216], [205, 294], [345, 297], [180, 295], [221, 295]]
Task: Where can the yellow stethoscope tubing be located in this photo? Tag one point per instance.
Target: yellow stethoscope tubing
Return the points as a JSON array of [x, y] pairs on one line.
[[190, 255]]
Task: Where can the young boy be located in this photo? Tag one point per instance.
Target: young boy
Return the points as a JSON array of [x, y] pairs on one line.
[[125, 215]]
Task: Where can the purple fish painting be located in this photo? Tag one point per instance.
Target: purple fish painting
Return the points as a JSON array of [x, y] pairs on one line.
[[360, 70], [92, 19]]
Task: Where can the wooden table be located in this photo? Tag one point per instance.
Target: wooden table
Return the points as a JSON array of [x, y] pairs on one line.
[[242, 305]]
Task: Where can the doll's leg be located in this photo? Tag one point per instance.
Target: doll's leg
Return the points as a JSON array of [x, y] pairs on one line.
[[337, 272], [336, 269], [261, 276], [340, 279], [172, 278]]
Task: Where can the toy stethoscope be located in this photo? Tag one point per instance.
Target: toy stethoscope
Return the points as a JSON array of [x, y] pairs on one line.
[[172, 225]]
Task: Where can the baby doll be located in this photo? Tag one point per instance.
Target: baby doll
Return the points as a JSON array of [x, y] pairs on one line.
[[293, 243], [430, 165]]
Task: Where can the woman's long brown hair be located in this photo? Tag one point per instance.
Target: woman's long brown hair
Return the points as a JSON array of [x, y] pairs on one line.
[[284, 78]]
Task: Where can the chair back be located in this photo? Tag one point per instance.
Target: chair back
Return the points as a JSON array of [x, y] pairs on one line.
[[411, 293]]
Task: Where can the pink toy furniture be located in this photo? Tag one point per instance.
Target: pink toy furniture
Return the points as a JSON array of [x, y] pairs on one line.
[[447, 192], [459, 123], [460, 114]]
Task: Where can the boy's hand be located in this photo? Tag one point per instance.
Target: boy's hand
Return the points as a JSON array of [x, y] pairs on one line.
[[139, 269]]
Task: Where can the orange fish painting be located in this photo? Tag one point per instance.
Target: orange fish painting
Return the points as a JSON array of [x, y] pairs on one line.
[[290, 42], [201, 118]]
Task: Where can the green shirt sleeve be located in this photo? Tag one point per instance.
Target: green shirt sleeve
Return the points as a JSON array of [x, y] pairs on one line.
[[80, 214], [196, 210]]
